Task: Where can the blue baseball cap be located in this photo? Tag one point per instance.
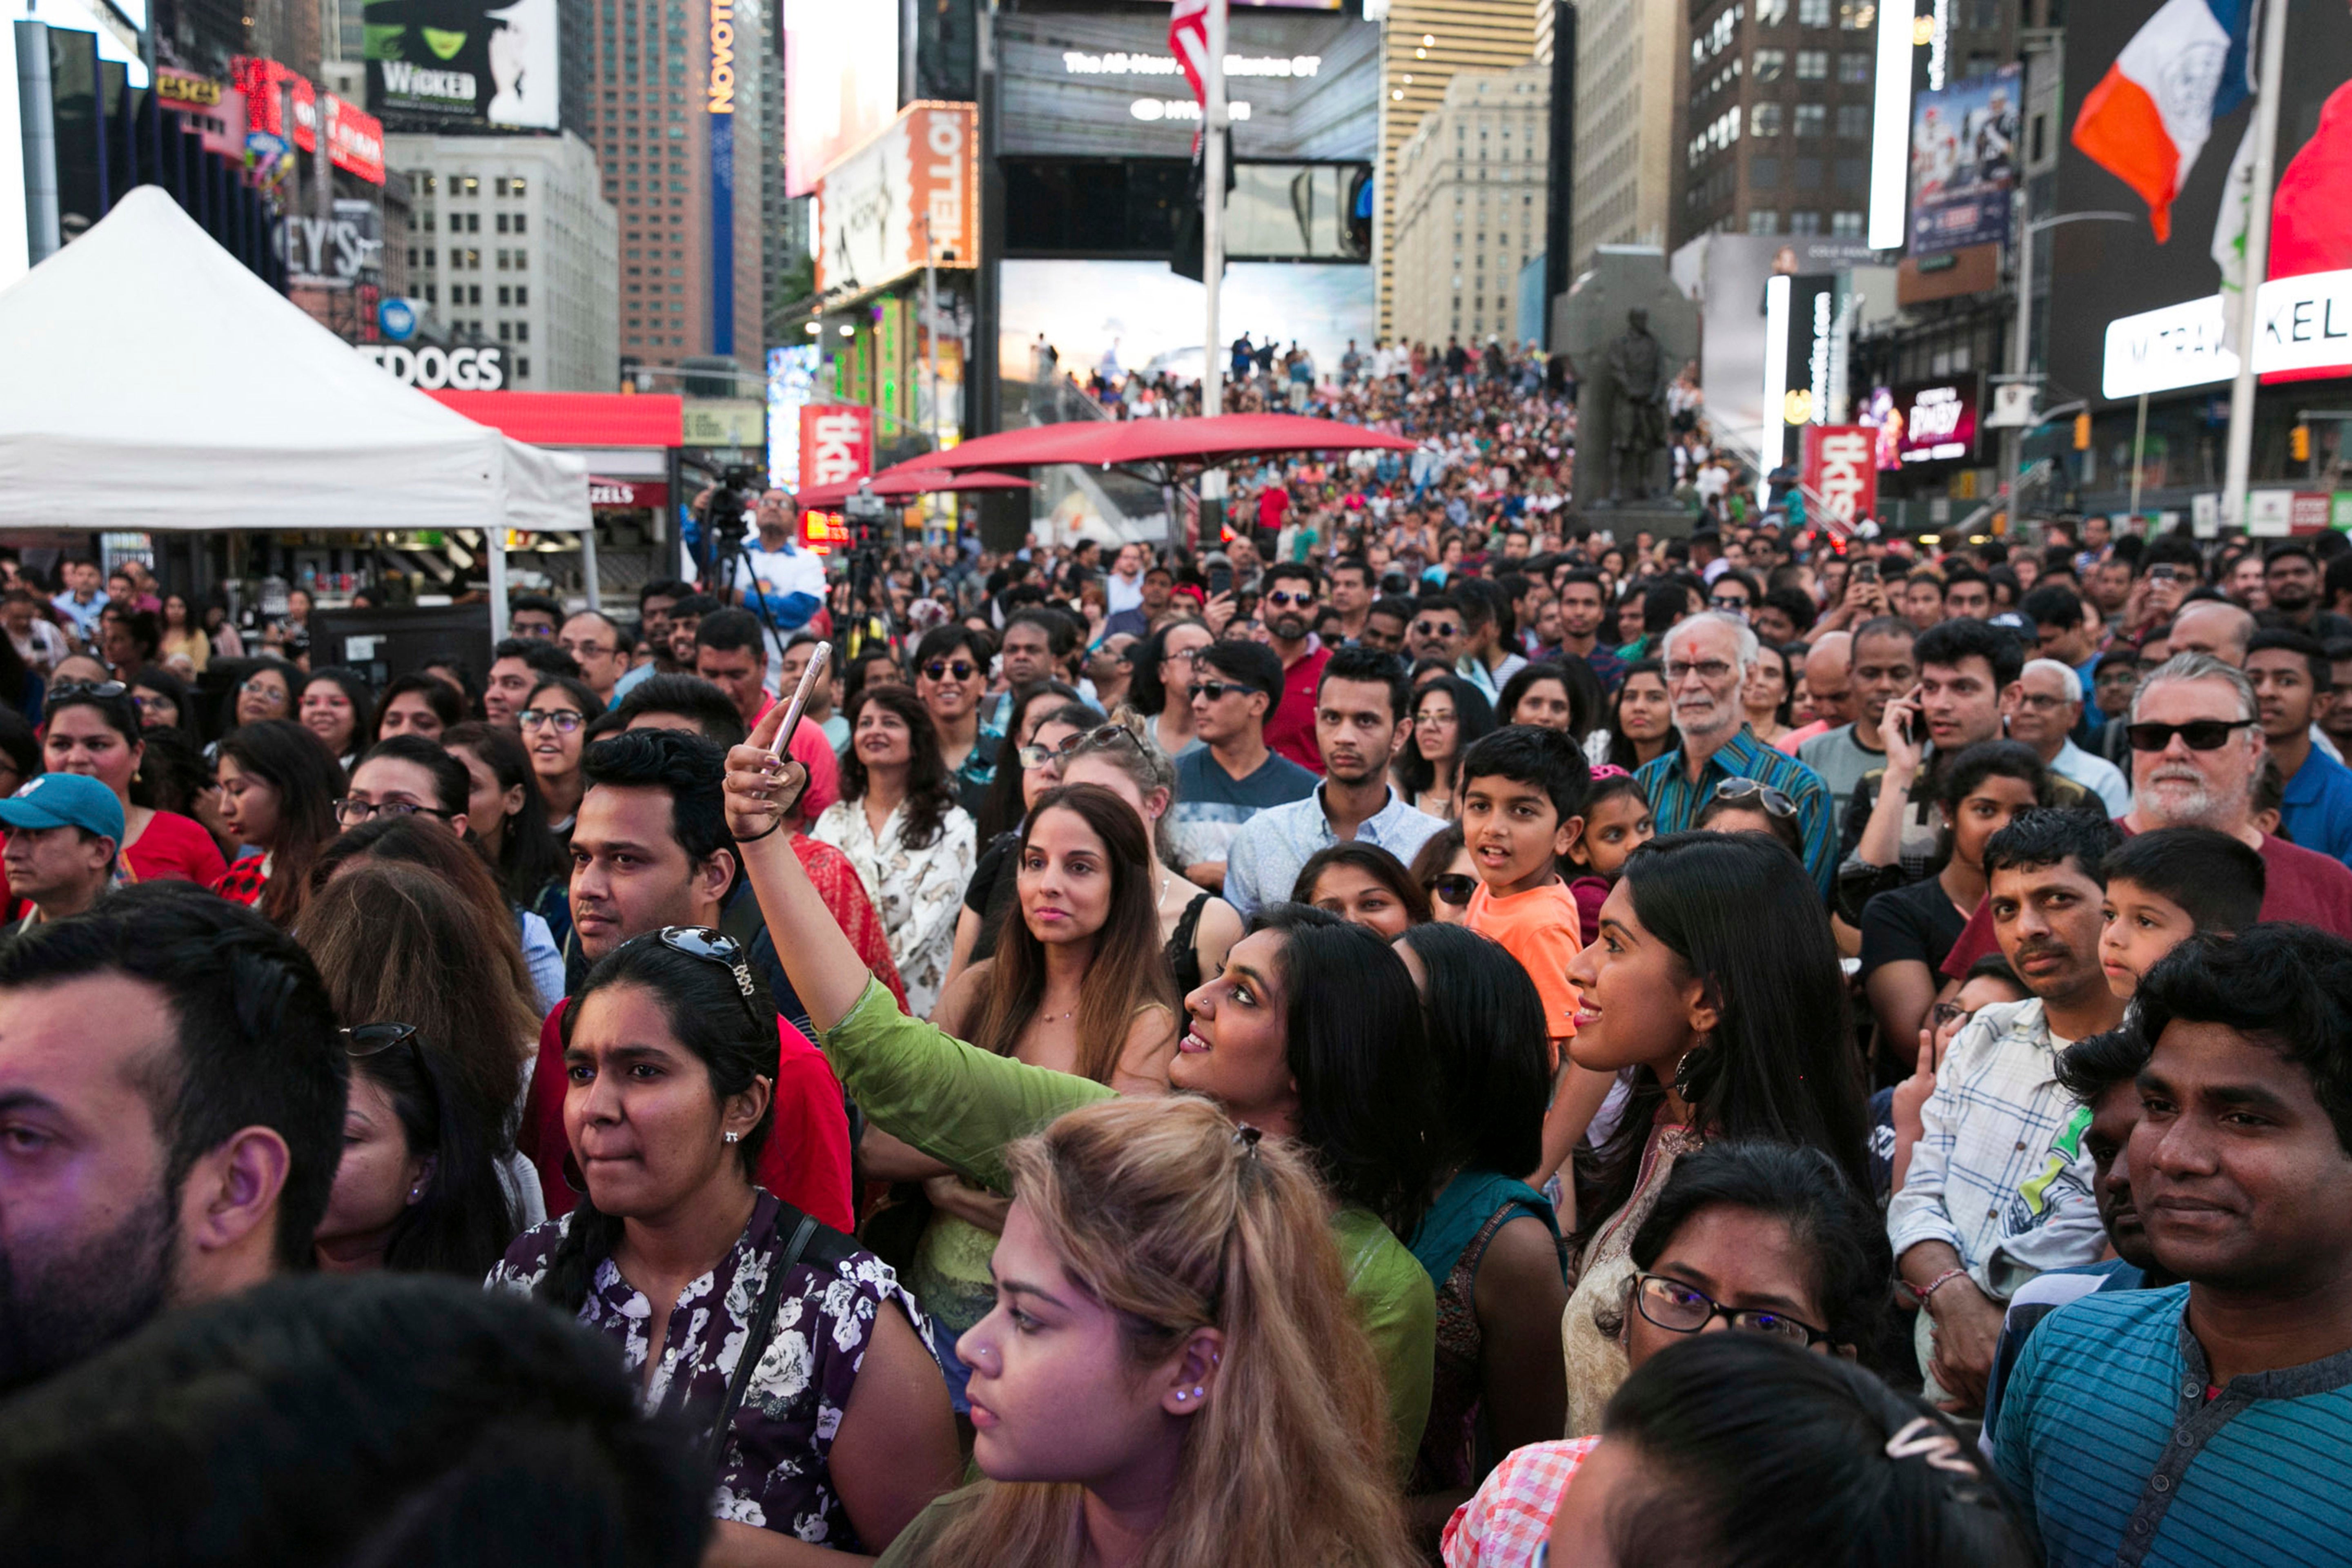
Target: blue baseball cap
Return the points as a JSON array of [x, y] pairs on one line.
[[65, 800]]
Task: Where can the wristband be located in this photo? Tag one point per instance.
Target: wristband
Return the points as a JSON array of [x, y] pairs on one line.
[[1920, 1293], [755, 837]]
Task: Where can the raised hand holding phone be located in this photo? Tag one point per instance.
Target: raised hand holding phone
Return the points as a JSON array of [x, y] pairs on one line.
[[818, 661]]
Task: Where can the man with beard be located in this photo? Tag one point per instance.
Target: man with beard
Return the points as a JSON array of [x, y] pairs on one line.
[[172, 1099], [1360, 725], [1288, 607], [2291, 577], [2000, 1186]]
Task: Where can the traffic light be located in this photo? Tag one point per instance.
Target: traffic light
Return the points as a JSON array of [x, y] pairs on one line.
[[2298, 443], [2082, 432]]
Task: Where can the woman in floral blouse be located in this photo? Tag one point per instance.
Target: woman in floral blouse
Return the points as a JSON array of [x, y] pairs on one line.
[[898, 822], [844, 1433]]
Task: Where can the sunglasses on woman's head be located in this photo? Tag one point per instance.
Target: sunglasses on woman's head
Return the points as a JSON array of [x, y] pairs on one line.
[[1747, 790], [714, 947], [99, 688]]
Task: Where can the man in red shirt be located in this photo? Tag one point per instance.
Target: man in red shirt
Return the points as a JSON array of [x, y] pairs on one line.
[[651, 849], [1287, 610]]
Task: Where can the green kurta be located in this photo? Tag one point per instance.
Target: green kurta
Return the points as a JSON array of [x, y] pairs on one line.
[[961, 1105]]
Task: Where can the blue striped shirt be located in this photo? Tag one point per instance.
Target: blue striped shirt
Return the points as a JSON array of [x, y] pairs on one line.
[[1675, 800], [2108, 1438]]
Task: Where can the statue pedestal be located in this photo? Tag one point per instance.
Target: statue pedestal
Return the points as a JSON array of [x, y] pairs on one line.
[[1659, 520], [1589, 318]]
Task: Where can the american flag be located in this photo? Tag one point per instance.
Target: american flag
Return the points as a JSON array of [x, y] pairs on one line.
[[1187, 36]]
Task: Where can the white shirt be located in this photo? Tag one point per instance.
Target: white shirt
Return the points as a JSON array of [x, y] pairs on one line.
[[2097, 774]]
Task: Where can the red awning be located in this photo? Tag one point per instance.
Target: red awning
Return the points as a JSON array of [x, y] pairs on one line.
[[576, 419], [1208, 440], [904, 484]]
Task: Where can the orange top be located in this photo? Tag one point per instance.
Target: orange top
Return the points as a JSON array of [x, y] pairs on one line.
[[1540, 928]]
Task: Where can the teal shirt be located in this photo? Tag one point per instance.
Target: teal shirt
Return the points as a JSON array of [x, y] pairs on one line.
[[962, 1106]]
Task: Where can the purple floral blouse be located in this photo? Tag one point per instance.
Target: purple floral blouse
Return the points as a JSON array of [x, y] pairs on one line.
[[773, 1473]]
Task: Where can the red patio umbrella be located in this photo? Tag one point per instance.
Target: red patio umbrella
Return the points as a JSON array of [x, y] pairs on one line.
[[905, 483], [1125, 442]]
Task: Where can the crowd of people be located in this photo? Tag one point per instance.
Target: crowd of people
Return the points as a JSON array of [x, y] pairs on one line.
[[1425, 1033]]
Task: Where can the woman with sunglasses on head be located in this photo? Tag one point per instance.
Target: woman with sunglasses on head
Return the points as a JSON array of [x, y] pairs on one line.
[[1909, 931], [899, 821], [1164, 668], [508, 820], [1448, 715], [1442, 869], [1197, 928], [1490, 1242], [1311, 1032], [1171, 1373], [793, 1357], [279, 789], [1044, 723], [1365, 884], [339, 707], [554, 726], [1716, 981], [1641, 725], [94, 728], [1745, 805], [1076, 984], [437, 1051]]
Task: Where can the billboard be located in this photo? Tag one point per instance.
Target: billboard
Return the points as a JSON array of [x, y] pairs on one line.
[[2102, 273], [1726, 273], [1838, 467], [354, 137], [836, 449], [719, 117], [871, 206], [1964, 162], [791, 382], [1139, 315], [1094, 85], [1935, 421], [456, 65], [841, 82]]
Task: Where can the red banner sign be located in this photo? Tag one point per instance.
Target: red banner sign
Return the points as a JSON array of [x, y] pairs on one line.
[[354, 137], [1841, 468], [836, 443], [625, 495]]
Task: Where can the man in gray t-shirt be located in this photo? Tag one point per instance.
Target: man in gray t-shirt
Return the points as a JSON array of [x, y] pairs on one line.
[[1883, 669]]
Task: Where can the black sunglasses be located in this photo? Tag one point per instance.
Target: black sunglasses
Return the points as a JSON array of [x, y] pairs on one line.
[[1215, 690], [99, 688], [941, 669], [2201, 734], [715, 947], [1453, 887], [1774, 803]]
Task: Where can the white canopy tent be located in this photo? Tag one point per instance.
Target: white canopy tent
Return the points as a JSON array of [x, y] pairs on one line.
[[154, 383]]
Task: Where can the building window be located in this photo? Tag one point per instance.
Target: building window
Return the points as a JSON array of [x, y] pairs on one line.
[[1846, 224], [1764, 221], [522, 293], [429, 293], [1853, 67], [504, 295], [1857, 15], [522, 220], [468, 185], [1764, 174], [523, 367], [1853, 174], [504, 259], [502, 223], [1807, 173], [522, 331], [1771, 65], [1812, 12], [1764, 120], [1804, 223], [506, 332], [1812, 118], [1853, 122], [522, 260], [1812, 65], [519, 186]]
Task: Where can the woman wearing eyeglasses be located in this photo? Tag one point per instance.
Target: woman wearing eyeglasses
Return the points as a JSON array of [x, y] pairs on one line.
[[554, 724], [1716, 980], [1312, 1032], [440, 1039], [338, 707], [266, 691], [94, 728], [1757, 1237], [1007, 799], [278, 788], [1448, 715], [791, 1356], [898, 822]]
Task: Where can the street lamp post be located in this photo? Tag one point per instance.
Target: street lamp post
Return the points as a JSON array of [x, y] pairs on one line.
[[2013, 440]]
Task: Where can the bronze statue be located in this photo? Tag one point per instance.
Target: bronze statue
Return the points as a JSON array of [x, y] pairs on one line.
[[1637, 372]]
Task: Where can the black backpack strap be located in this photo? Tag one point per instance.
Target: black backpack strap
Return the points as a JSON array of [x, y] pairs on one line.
[[794, 1231]]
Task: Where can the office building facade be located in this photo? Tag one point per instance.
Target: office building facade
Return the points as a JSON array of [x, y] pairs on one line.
[[1470, 204]]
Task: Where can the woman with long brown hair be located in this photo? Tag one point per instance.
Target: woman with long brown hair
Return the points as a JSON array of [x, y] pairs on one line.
[[278, 787], [1172, 1373], [1076, 984]]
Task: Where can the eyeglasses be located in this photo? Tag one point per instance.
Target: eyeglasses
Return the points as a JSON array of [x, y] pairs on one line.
[[270, 695], [1744, 791], [1436, 629], [586, 649], [2199, 734], [1730, 602], [941, 669], [364, 1040], [1707, 670], [351, 812], [1678, 1308], [2043, 702], [565, 719], [99, 688], [1280, 598], [1034, 756], [1947, 1013], [1453, 887], [715, 947]]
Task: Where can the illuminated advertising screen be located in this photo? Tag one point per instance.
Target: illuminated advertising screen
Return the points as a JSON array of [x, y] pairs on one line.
[[841, 82], [872, 206], [791, 383], [1939, 420], [1138, 315], [445, 65], [1093, 86], [1964, 162]]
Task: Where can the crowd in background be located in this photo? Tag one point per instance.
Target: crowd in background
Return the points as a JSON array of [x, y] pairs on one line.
[[1283, 1054]]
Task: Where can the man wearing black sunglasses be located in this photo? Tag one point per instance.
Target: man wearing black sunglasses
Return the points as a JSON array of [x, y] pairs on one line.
[[1289, 608], [1233, 776]]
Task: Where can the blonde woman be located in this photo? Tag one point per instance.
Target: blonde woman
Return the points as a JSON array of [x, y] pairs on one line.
[[1171, 1373]]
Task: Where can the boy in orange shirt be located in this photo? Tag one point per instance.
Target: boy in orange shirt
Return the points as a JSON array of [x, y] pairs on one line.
[[1523, 790]]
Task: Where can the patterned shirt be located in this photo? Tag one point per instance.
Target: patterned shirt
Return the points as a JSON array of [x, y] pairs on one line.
[[1511, 1512], [773, 1474], [1262, 861], [1675, 801], [1212, 805], [2000, 1170], [915, 892], [2122, 1452]]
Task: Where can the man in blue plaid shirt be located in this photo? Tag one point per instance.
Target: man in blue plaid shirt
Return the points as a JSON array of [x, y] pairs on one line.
[[1709, 660]]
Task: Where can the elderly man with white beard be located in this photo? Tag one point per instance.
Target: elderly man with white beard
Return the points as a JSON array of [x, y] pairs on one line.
[[2197, 752]]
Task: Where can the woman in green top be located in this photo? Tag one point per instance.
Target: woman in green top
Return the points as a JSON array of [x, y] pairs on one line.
[[1312, 1032], [1490, 1241]]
